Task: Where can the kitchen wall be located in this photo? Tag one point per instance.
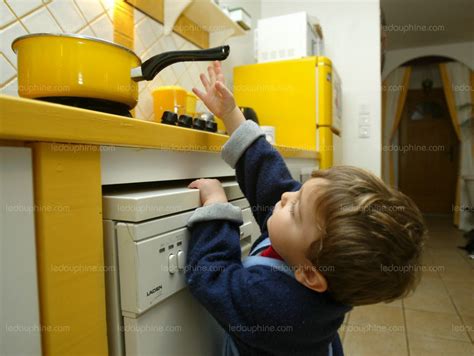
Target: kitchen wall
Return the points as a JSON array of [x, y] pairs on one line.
[[92, 18], [242, 47], [351, 31]]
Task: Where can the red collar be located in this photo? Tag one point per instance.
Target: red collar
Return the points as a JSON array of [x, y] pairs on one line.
[[270, 252]]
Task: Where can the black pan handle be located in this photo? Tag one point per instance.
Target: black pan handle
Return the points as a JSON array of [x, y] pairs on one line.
[[152, 66]]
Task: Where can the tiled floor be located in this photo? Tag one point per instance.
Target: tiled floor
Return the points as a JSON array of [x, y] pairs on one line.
[[438, 319]]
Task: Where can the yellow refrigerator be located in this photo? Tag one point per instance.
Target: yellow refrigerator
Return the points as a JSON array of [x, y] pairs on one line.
[[301, 98]]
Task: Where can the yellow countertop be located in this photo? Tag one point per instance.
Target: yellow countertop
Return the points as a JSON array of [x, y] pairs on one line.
[[32, 120]]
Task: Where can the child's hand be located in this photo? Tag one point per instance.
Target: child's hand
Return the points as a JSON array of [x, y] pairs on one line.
[[210, 190], [217, 97]]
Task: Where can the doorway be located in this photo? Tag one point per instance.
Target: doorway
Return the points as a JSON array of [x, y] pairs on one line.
[[429, 151]]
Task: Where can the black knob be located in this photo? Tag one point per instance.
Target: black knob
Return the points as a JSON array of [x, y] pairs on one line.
[[199, 124], [185, 121], [211, 126], [169, 118]]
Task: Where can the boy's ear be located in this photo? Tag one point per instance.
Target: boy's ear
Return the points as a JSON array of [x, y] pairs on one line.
[[309, 276]]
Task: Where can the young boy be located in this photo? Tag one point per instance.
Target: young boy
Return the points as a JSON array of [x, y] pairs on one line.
[[345, 237]]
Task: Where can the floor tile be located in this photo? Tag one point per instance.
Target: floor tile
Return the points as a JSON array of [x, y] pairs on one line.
[[431, 295], [365, 341], [426, 346], [469, 325], [436, 325], [464, 303], [378, 315]]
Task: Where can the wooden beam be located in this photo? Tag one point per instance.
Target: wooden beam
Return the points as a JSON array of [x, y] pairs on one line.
[[70, 255]]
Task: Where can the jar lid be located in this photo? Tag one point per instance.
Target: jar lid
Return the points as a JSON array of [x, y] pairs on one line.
[[170, 88]]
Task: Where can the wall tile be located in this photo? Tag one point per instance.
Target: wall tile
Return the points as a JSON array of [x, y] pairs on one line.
[[138, 112], [145, 33], [91, 9], [87, 31], [154, 49], [185, 81], [11, 88], [6, 16], [139, 48], [138, 15], [7, 72], [157, 28], [178, 40], [103, 28], [67, 14], [142, 85], [7, 35], [22, 7], [41, 21], [179, 68], [167, 76], [146, 105], [108, 5], [168, 43]]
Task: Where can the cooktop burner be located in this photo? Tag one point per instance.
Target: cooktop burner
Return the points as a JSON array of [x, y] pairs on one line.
[[107, 106]]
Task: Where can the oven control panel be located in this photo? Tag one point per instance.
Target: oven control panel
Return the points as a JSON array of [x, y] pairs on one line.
[[152, 269]]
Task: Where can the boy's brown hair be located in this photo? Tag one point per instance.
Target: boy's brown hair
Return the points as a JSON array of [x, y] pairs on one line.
[[372, 237]]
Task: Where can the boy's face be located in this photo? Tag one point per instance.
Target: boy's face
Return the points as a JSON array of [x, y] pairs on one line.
[[292, 227]]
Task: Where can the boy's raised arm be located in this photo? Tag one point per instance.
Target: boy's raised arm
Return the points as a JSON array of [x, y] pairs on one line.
[[261, 171]]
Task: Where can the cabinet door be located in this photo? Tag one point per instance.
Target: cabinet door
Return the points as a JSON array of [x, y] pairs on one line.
[[19, 314]]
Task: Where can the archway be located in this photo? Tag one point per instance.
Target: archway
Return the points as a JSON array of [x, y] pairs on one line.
[[455, 105]]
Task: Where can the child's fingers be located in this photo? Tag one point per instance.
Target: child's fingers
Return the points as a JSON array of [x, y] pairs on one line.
[[222, 90], [195, 183], [218, 70], [199, 93], [212, 74], [192, 184], [204, 81]]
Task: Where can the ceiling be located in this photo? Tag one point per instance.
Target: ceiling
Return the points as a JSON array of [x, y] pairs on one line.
[[446, 21]]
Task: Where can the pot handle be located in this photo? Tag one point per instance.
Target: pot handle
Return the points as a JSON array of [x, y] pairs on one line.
[[151, 67]]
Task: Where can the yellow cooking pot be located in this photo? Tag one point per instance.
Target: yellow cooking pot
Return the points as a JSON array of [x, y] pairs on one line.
[[66, 65]]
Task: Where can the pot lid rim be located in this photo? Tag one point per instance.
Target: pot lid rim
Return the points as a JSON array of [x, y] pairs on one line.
[[73, 35]]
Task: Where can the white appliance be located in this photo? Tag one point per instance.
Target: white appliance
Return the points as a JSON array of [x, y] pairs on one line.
[[288, 37], [20, 332], [149, 309]]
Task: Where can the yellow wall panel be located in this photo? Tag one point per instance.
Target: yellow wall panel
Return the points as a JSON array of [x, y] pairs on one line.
[[70, 249]]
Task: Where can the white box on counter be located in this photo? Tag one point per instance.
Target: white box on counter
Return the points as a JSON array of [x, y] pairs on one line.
[[287, 37]]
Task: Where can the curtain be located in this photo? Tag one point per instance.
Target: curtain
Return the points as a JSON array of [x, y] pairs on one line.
[[457, 86], [395, 89]]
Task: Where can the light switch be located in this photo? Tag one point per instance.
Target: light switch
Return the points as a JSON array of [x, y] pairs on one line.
[[364, 131], [172, 266], [181, 260], [364, 121]]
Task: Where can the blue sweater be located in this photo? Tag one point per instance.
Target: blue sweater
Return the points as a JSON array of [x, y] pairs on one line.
[[265, 311]]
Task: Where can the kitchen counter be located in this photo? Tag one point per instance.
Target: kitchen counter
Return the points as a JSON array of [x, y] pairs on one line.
[[32, 120]]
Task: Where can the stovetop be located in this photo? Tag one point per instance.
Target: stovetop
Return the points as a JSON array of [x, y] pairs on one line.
[[105, 106]]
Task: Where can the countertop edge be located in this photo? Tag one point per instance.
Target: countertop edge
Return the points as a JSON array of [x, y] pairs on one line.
[[31, 120]]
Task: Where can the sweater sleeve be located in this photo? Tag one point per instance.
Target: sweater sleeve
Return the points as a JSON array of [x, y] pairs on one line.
[[261, 171], [215, 275]]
